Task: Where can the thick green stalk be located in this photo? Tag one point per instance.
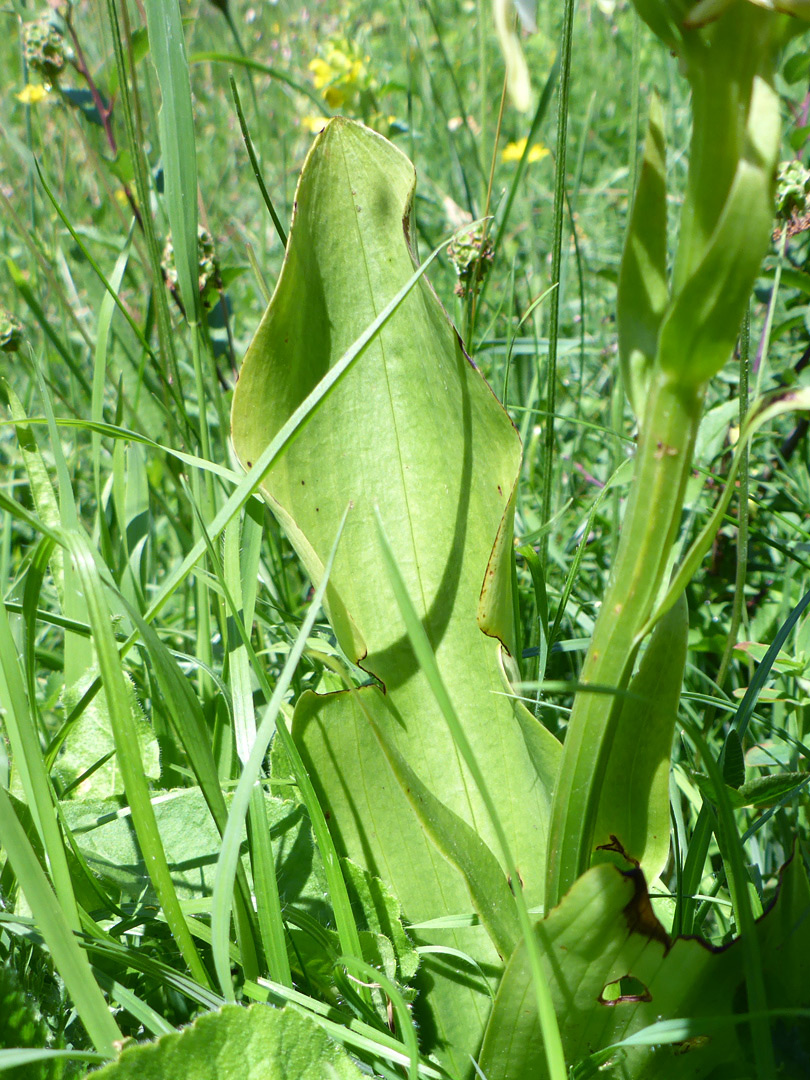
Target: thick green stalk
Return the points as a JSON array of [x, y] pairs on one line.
[[650, 527], [724, 232]]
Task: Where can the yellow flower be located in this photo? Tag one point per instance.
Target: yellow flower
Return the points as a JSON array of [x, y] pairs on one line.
[[321, 71], [334, 97], [32, 94], [314, 123], [513, 151], [339, 76]]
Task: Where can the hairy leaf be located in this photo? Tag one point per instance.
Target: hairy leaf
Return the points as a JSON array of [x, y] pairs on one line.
[[238, 1044]]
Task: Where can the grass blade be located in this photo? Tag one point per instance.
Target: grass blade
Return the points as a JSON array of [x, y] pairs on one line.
[[229, 854], [127, 749], [49, 916]]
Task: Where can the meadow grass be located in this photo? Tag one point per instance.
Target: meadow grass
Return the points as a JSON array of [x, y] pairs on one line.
[[154, 609]]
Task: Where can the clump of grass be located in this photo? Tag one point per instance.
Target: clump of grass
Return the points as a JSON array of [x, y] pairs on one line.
[[155, 612]]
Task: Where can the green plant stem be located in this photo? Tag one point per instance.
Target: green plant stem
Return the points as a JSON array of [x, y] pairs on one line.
[[169, 371], [650, 527], [556, 262], [742, 515], [254, 164], [762, 358]]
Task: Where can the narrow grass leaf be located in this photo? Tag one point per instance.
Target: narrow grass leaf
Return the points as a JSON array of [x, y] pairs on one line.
[[261, 852], [701, 836], [177, 145], [50, 918], [27, 759], [361, 970], [127, 748], [348, 1031], [229, 854], [234, 60], [734, 857], [14, 1059]]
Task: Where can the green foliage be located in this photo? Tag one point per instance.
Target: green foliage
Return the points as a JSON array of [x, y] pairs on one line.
[[379, 824], [22, 1025], [246, 1043], [606, 931]]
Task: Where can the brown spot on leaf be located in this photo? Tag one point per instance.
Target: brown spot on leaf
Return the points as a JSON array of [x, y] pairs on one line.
[[617, 846], [641, 918]]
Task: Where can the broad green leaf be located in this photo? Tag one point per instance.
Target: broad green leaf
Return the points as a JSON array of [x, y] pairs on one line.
[[456, 840], [371, 818], [603, 947], [90, 738], [413, 431], [634, 806], [237, 1043], [785, 942], [643, 292], [103, 830]]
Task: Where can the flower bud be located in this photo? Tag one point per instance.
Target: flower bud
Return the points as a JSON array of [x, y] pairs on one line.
[[45, 48]]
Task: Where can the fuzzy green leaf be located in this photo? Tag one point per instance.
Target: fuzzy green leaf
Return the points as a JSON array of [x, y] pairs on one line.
[[238, 1044]]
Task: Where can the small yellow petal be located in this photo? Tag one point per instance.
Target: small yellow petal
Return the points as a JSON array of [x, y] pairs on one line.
[[339, 60], [513, 151], [32, 94], [321, 71], [538, 152], [314, 124], [334, 97]]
